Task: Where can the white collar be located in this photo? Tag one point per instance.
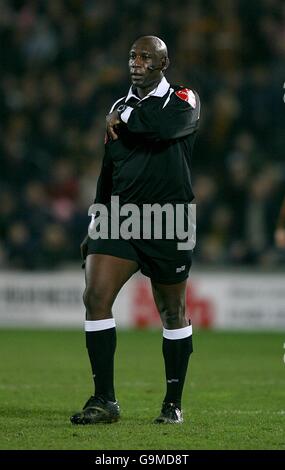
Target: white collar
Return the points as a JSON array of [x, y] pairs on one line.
[[161, 90]]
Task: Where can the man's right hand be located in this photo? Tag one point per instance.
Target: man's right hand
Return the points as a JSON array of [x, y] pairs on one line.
[[83, 248], [112, 121], [280, 238]]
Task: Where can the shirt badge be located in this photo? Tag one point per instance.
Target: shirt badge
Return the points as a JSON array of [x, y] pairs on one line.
[[187, 95]]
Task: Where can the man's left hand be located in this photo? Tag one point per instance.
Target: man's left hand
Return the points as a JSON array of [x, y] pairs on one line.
[[112, 121], [280, 238]]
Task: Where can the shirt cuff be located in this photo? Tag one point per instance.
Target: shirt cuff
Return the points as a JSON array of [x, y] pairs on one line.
[[126, 114]]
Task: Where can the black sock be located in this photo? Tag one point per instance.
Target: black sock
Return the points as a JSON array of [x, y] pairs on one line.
[[101, 346], [176, 353]]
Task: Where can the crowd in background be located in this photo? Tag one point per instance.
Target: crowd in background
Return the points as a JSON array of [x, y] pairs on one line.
[[63, 64]]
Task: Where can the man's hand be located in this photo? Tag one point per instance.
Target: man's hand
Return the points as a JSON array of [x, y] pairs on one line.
[[112, 121], [280, 237], [83, 248]]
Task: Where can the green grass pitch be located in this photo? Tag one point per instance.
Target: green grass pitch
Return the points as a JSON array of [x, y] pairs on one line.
[[233, 397]]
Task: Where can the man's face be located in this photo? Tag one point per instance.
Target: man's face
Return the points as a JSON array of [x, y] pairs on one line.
[[143, 55]]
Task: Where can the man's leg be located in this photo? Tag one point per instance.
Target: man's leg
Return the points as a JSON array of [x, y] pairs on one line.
[[105, 276], [177, 346]]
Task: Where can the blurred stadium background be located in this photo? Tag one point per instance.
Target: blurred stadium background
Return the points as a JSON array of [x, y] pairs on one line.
[[63, 63]]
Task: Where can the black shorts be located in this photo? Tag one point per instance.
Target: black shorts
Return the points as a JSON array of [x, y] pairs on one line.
[[159, 260]]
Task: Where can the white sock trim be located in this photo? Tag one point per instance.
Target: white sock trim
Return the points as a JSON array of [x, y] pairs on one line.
[[180, 333], [99, 325]]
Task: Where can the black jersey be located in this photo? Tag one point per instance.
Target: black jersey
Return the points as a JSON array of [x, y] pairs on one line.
[[150, 161]]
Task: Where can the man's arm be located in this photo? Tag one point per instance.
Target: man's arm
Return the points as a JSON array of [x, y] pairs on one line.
[[177, 117], [280, 229], [104, 184], [103, 195]]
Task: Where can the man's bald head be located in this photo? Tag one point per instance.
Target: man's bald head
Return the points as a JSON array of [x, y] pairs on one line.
[[148, 60], [156, 43]]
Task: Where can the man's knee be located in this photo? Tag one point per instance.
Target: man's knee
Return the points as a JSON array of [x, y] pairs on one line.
[[98, 303], [173, 315]]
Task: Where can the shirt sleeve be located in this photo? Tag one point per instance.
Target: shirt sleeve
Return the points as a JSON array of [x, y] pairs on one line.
[[175, 117], [104, 184]]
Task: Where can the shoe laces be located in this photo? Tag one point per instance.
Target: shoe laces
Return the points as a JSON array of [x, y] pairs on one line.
[[94, 401], [170, 409]]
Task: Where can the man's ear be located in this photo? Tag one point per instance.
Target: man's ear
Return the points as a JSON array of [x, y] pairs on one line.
[[165, 63]]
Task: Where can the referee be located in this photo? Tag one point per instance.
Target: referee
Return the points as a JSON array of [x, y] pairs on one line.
[[148, 149]]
